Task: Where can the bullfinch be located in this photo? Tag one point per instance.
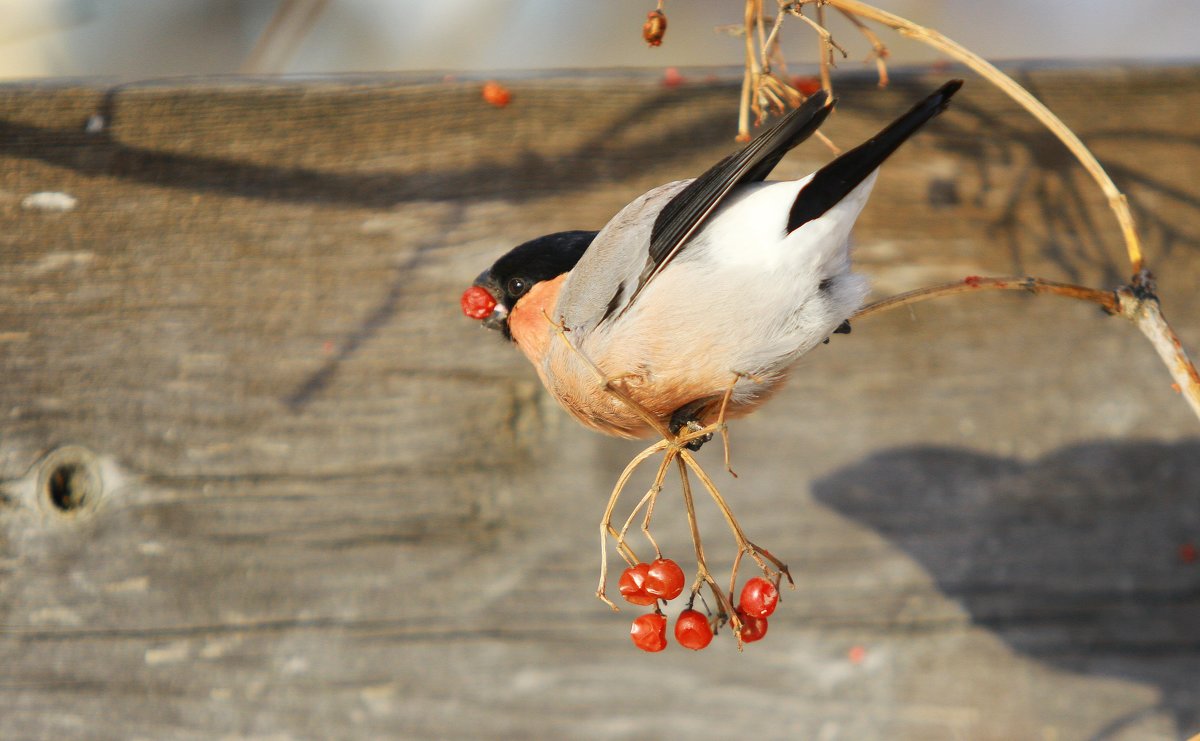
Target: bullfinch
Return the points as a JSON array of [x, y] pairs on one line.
[[697, 286]]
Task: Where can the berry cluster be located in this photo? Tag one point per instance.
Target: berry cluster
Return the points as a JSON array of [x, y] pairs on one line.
[[662, 579]]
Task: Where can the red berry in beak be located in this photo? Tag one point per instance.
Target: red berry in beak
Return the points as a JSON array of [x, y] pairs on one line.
[[477, 303]]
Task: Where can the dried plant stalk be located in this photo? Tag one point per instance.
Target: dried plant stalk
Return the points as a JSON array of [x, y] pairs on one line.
[[1107, 300], [1147, 315]]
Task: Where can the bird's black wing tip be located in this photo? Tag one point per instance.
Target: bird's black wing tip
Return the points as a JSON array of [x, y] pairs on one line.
[[820, 99], [948, 90]]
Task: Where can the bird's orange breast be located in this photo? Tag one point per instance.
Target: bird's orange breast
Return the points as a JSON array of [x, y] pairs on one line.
[[529, 323]]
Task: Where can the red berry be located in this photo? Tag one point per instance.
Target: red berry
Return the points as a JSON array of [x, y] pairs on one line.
[[1187, 553], [649, 632], [633, 585], [692, 630], [806, 85], [665, 579], [759, 598], [496, 94], [477, 303], [753, 628]]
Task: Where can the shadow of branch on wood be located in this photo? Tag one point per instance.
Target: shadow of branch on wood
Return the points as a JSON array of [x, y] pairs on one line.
[[531, 175], [1074, 559], [1050, 208]]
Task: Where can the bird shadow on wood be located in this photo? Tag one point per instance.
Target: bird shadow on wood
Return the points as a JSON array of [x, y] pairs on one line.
[[1083, 560]]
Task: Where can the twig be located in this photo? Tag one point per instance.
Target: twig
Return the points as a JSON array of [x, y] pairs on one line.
[[826, 42], [878, 50], [751, 73], [1107, 300], [770, 43], [1144, 311]]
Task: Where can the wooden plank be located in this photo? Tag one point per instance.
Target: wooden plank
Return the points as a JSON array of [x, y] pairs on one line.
[[317, 503]]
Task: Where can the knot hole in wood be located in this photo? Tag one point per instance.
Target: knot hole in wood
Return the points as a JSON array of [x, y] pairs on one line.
[[69, 481]]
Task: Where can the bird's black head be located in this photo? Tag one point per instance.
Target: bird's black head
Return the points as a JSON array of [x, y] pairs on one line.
[[515, 273]]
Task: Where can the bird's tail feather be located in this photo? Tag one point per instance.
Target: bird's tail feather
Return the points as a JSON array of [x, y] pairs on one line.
[[834, 181]]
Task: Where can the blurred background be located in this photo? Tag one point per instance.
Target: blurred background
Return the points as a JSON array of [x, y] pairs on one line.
[[152, 38], [260, 479]]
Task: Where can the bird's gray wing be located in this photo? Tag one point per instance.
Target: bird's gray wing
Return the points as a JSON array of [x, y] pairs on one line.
[[604, 279], [687, 211], [647, 234]]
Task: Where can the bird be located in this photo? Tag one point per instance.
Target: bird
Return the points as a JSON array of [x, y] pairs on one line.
[[698, 296]]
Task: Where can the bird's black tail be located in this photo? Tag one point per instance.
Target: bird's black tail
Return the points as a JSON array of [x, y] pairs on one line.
[[834, 181]]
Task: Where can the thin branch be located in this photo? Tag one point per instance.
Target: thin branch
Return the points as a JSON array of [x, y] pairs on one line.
[[1107, 300], [753, 8], [1144, 311], [826, 42], [878, 50]]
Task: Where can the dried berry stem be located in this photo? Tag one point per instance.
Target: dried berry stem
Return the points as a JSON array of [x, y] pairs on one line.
[[1106, 299]]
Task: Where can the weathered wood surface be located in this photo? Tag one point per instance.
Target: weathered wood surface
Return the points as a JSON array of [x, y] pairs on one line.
[[322, 504]]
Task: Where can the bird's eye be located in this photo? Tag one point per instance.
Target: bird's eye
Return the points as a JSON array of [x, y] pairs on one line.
[[516, 286]]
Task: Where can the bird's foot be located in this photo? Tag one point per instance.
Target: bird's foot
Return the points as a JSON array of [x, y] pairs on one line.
[[686, 418]]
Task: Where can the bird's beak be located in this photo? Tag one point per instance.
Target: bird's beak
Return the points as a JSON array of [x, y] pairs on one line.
[[498, 319]]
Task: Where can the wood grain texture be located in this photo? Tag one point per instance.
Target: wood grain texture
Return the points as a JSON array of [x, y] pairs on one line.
[[318, 503]]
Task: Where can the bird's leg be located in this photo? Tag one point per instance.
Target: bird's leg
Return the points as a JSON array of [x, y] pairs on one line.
[[688, 417]]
